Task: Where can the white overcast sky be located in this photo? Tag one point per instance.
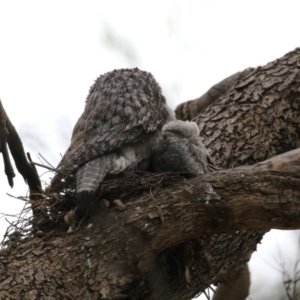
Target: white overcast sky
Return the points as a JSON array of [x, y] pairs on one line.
[[52, 51]]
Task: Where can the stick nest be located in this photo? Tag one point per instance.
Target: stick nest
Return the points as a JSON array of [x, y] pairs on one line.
[[53, 205]]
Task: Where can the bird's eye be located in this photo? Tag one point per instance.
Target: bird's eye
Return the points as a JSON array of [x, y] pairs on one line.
[[176, 132]]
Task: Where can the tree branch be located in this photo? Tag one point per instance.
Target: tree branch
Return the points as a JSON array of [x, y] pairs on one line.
[[190, 109], [262, 196], [16, 148], [9, 171], [9, 135], [265, 195]]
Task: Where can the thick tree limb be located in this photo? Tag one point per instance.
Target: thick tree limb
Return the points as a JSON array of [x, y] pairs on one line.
[[191, 109], [265, 195], [258, 118], [262, 196]]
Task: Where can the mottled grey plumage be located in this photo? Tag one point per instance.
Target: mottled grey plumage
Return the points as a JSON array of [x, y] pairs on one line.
[[124, 112], [127, 125], [180, 149]]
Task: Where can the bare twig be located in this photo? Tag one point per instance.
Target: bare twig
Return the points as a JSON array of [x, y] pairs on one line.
[[51, 169], [18, 198], [46, 160]]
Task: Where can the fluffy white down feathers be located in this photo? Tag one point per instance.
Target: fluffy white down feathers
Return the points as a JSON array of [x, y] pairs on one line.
[[180, 149]]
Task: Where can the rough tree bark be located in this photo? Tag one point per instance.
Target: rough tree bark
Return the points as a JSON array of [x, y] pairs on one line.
[[174, 242], [191, 109]]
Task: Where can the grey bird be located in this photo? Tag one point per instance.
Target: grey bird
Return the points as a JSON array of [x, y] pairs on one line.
[[127, 125]]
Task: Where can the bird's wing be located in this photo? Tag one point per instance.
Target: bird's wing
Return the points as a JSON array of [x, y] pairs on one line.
[[118, 112]]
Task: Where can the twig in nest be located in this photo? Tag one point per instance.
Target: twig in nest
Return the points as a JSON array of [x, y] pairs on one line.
[[206, 295], [11, 224], [51, 169], [18, 198], [30, 160], [4, 237], [46, 160]]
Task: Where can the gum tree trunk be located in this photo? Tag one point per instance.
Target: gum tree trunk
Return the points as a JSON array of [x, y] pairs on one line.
[[173, 242]]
